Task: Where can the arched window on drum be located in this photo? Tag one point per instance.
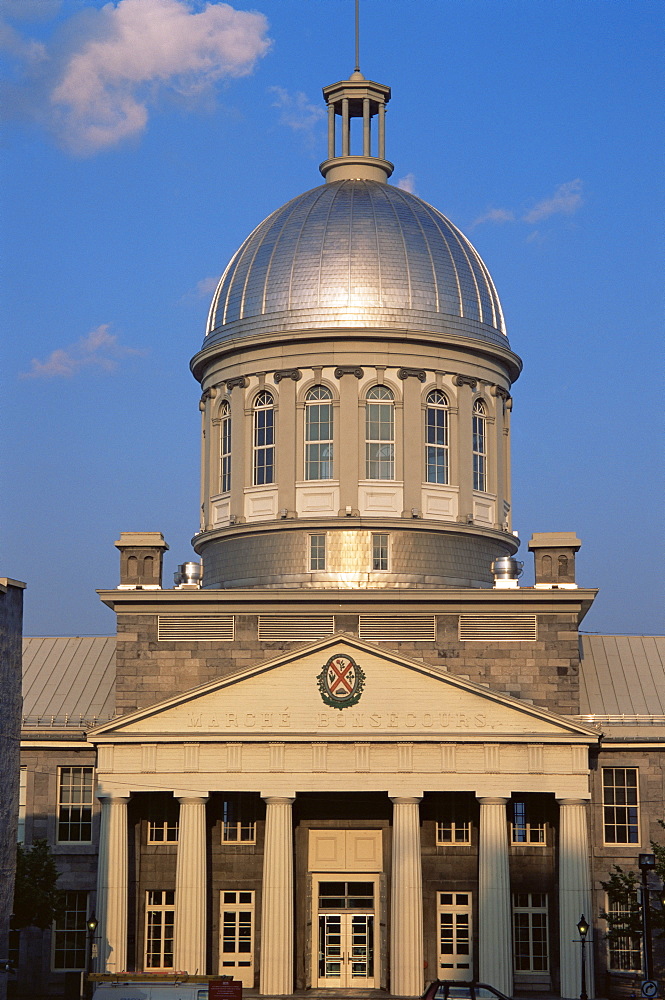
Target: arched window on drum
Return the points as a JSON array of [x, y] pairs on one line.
[[479, 446], [264, 439], [380, 433], [319, 433], [437, 465], [225, 448]]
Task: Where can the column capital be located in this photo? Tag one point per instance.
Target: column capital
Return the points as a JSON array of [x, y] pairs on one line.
[[277, 800], [406, 800], [113, 796], [191, 800], [493, 800], [573, 802]]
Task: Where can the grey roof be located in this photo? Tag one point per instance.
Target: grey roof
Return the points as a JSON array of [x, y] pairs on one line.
[[357, 254], [68, 680], [623, 675]]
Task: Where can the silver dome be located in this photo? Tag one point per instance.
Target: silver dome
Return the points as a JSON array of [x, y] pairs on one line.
[[355, 254]]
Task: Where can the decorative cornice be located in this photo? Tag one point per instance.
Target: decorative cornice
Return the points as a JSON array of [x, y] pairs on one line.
[[293, 373], [348, 370], [418, 373], [237, 382], [466, 380]]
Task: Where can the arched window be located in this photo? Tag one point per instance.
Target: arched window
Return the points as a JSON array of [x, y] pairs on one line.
[[319, 433], [264, 439], [380, 434], [436, 438], [479, 446], [225, 448]]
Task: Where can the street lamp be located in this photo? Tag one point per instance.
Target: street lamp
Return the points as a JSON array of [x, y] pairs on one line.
[[583, 930], [91, 924], [647, 863]]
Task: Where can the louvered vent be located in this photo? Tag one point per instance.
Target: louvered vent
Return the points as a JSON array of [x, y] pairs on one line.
[[397, 628], [498, 628], [195, 628], [295, 628]]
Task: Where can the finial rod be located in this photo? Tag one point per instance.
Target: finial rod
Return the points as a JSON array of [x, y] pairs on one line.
[[357, 67]]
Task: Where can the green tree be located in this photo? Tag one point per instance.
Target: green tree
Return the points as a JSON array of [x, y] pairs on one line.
[[37, 900], [623, 887]]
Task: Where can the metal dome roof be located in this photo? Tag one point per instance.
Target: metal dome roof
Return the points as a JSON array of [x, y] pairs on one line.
[[356, 254]]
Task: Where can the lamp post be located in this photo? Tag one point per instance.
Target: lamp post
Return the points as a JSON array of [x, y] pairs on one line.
[[647, 863], [91, 924], [583, 929]]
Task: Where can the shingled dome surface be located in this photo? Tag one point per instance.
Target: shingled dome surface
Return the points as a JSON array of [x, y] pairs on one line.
[[357, 254]]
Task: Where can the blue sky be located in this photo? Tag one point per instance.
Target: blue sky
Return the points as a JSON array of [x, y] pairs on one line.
[[144, 139]]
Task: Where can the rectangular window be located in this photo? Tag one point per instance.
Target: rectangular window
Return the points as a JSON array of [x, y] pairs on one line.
[[159, 922], [625, 952], [620, 805], [380, 551], [22, 805], [455, 937], [317, 552], [75, 796], [530, 933], [454, 828], [239, 819], [70, 934], [526, 827], [163, 814], [236, 944]]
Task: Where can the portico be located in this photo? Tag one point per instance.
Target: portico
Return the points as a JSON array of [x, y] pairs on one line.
[[345, 885]]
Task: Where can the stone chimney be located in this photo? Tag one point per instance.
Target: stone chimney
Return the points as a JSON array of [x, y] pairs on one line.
[[141, 554], [554, 558]]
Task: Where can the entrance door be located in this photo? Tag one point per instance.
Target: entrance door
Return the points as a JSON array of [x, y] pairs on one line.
[[346, 950], [455, 935], [236, 936], [345, 933]]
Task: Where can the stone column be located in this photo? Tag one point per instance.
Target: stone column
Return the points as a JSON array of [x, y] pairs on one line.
[[464, 457], [331, 131], [189, 932], [495, 964], [277, 908], [112, 885], [382, 131], [413, 446], [238, 452], [574, 895], [346, 132], [497, 453], [285, 443], [406, 908], [347, 444], [367, 150]]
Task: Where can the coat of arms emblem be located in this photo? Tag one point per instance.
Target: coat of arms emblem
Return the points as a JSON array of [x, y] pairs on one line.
[[341, 682]]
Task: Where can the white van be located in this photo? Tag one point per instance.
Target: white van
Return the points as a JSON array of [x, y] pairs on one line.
[[151, 991]]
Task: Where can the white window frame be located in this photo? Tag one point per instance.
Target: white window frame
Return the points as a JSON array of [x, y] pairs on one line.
[[535, 834], [165, 906], [86, 802], [628, 944], [317, 552], [437, 405], [614, 808], [533, 905], [480, 446], [225, 448], [380, 552], [239, 963], [459, 905], [263, 439], [460, 832], [318, 398], [237, 832], [380, 449], [71, 921]]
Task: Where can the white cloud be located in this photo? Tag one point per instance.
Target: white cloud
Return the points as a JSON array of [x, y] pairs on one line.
[[98, 349], [496, 215], [206, 286], [407, 183], [297, 111], [566, 200], [106, 67]]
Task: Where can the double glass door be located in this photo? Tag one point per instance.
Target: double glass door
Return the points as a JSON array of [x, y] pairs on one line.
[[346, 944]]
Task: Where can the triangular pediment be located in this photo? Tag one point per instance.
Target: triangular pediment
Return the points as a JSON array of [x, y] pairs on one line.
[[343, 688]]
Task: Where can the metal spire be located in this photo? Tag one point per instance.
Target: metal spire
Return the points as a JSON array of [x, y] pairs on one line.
[[357, 67]]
